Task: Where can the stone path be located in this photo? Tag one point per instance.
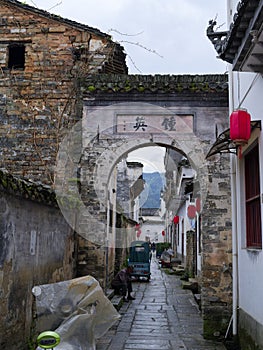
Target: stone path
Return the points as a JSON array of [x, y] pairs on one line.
[[163, 317]]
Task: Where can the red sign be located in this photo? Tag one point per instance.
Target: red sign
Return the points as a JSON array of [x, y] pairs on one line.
[[191, 211]]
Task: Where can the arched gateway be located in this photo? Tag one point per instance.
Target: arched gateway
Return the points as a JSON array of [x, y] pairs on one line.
[[124, 113]]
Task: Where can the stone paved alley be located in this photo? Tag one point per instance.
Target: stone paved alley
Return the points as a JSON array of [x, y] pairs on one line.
[[163, 316]]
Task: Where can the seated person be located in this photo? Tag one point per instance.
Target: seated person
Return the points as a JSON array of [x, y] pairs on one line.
[[121, 283]]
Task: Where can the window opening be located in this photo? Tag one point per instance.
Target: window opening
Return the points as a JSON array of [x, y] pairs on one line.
[[253, 207], [16, 56]]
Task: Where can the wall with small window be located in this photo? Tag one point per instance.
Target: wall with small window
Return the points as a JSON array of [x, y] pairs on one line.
[[249, 226], [248, 88], [41, 56]]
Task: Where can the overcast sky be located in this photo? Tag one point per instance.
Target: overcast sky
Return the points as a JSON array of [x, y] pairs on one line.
[[159, 36], [174, 29]]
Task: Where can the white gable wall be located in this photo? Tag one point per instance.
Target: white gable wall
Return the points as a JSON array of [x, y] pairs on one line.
[[247, 93]]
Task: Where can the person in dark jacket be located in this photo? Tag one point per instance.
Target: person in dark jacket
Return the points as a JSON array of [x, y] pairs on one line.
[[122, 283]]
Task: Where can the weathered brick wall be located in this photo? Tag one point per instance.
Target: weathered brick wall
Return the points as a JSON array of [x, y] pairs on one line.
[[217, 250], [39, 102], [91, 260], [36, 247], [191, 252]]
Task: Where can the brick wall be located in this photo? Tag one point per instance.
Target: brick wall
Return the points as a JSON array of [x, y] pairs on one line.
[[41, 100], [191, 252], [217, 250]]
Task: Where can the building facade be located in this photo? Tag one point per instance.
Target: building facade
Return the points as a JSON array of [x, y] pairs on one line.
[[47, 89], [241, 46], [41, 58]]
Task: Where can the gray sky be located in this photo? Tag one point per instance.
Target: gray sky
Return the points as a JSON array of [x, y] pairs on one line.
[[174, 29], [166, 37]]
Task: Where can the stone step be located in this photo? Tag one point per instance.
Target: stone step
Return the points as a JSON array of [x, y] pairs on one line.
[[178, 271], [192, 280], [176, 261], [116, 300], [197, 298], [109, 293], [193, 286], [178, 267]]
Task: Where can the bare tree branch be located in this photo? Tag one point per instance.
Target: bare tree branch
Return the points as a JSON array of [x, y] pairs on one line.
[[133, 63], [215, 20], [33, 3], [59, 3], [140, 45], [125, 34], [221, 25]]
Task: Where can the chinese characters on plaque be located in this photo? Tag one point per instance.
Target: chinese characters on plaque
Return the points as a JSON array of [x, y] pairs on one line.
[[154, 123], [140, 124]]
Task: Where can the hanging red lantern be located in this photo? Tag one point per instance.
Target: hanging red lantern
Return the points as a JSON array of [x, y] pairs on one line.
[[176, 219], [198, 204], [163, 233], [240, 126], [139, 233], [191, 211], [137, 226]]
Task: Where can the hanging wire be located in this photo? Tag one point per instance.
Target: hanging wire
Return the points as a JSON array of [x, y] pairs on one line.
[[248, 90]]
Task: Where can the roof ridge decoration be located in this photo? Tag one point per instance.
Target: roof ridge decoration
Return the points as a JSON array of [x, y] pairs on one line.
[[223, 41], [220, 39], [217, 38]]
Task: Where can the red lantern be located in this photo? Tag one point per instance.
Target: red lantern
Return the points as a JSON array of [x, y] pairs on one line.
[[191, 211], [139, 233], [163, 233], [198, 204], [240, 126], [176, 219]]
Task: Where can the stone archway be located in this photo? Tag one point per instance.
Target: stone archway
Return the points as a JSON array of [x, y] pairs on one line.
[[108, 131], [83, 175]]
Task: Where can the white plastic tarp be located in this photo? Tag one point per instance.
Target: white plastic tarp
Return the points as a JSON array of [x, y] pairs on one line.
[[77, 310]]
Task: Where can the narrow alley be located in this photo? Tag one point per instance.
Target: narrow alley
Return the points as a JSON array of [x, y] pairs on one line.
[[163, 316]]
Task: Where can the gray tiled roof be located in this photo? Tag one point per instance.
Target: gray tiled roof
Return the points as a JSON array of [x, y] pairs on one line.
[[154, 83], [30, 190]]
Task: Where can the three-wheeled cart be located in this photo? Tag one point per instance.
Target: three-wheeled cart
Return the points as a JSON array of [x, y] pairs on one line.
[[140, 259]]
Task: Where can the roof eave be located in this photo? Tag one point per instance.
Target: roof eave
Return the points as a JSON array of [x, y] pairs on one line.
[[239, 42]]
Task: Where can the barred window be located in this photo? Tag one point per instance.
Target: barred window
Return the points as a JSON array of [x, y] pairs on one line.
[[253, 206]]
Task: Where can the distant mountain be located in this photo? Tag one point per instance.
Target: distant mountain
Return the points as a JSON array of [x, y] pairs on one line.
[[154, 183]]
